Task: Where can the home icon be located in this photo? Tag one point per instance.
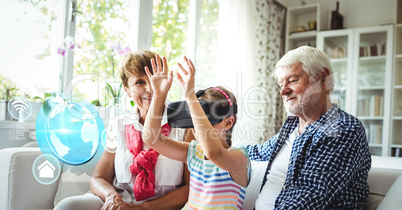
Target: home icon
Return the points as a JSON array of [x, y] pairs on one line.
[[46, 170]]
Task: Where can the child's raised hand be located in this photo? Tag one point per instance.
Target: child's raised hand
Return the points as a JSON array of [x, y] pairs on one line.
[[186, 77], [161, 80]]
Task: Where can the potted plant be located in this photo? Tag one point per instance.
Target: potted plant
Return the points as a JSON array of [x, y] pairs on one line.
[[37, 103], [113, 102], [106, 108], [6, 94], [113, 95]]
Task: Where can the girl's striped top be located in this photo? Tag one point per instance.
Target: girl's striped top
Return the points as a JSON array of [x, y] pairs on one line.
[[210, 186]]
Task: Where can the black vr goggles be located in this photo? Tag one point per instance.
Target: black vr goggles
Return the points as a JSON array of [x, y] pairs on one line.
[[179, 113]]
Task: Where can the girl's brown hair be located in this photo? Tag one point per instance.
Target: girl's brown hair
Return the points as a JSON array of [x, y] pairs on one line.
[[216, 95], [133, 64]]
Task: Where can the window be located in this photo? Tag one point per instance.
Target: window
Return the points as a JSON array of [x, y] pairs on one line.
[[169, 27], [101, 38], [169, 34], [103, 26], [75, 46], [30, 36], [207, 48], [184, 27]]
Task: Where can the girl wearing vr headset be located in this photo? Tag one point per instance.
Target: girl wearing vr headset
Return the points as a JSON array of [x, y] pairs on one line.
[[218, 176]]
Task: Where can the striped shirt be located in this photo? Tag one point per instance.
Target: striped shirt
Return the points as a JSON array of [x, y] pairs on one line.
[[210, 186], [328, 166]]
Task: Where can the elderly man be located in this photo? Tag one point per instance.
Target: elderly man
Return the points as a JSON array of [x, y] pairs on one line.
[[320, 158]]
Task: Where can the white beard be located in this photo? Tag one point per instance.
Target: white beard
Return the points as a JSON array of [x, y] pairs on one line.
[[305, 100]]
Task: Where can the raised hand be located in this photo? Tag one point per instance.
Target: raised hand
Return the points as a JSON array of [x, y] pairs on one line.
[[187, 77], [161, 80]]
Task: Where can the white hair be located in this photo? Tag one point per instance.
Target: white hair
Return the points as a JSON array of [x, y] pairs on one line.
[[313, 62]]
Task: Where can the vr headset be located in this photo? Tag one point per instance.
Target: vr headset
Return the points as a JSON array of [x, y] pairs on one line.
[[179, 113]]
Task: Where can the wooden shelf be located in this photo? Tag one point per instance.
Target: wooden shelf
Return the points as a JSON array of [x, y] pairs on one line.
[[342, 89], [375, 145], [339, 60], [300, 16], [398, 12], [372, 58], [372, 88], [370, 118], [304, 34], [398, 39], [359, 74]]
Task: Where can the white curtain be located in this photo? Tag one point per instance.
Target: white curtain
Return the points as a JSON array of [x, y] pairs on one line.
[[239, 67], [236, 66]]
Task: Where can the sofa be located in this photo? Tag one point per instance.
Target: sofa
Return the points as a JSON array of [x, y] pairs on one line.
[[20, 190]]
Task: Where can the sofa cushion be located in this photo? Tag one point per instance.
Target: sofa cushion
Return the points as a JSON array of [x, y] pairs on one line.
[[75, 179], [384, 171], [393, 198], [373, 201], [253, 188], [381, 179], [19, 188]]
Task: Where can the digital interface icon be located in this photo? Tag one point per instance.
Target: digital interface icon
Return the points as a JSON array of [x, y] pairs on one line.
[[109, 141], [20, 108], [69, 130], [46, 169]]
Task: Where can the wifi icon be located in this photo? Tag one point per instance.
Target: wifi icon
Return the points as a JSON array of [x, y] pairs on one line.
[[20, 108]]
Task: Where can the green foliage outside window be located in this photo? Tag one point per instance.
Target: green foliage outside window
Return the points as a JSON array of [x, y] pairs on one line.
[[96, 33], [169, 34], [207, 46], [170, 31], [94, 55], [7, 89], [169, 28], [96, 37], [101, 26]]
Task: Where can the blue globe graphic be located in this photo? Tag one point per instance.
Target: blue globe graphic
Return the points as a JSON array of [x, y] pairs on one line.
[[72, 133]]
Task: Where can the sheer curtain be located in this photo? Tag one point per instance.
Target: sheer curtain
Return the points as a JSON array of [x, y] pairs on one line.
[[245, 60]]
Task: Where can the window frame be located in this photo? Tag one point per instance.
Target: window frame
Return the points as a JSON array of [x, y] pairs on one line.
[[67, 62], [142, 34]]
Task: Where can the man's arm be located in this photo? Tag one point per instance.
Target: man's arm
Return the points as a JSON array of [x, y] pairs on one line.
[[261, 152]]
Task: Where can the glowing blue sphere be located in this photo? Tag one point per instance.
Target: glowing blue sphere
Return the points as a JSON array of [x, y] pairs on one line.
[[72, 133]]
